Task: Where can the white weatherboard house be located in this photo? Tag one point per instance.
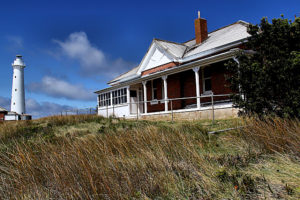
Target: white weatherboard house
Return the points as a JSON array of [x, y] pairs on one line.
[[177, 77]]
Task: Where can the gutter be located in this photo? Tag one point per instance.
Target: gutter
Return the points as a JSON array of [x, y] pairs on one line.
[[195, 56], [202, 62]]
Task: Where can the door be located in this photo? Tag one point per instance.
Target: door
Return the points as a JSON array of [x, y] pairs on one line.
[[141, 99], [133, 102]]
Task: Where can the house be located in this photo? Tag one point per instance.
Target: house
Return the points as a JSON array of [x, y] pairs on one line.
[[3, 112], [13, 116], [177, 77]]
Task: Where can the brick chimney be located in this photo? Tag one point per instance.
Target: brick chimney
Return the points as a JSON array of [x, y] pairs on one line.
[[200, 29]]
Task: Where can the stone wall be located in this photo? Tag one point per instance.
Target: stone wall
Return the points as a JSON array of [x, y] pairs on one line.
[[220, 113]]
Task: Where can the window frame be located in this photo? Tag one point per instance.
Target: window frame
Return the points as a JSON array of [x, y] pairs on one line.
[[204, 79], [104, 99], [119, 96], [153, 89]]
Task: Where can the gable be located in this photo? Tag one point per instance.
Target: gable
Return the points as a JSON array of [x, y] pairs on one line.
[[158, 58], [155, 56], [163, 54]]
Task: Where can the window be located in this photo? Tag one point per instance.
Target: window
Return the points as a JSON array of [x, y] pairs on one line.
[[133, 93], [206, 74], [15, 89], [119, 96], [154, 89], [104, 99]]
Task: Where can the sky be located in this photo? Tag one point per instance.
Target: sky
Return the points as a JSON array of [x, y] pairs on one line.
[[73, 48]]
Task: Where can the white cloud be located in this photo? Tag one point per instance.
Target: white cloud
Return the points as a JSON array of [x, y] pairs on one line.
[[16, 41], [59, 88], [43, 109], [92, 60], [37, 109]]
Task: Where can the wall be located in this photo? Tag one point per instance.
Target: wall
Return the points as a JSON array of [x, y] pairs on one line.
[[183, 85], [2, 115], [221, 113], [11, 117], [118, 110]]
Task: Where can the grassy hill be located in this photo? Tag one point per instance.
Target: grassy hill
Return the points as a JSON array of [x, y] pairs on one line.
[[90, 157]]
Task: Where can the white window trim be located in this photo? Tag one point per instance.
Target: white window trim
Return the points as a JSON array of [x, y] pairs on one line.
[[105, 100], [111, 98], [152, 90], [121, 96], [205, 92]]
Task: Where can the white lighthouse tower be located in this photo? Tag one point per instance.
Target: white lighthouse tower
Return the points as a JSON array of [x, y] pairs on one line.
[[18, 92]]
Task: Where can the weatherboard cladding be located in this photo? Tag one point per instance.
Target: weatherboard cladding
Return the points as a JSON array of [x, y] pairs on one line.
[[184, 52], [160, 68]]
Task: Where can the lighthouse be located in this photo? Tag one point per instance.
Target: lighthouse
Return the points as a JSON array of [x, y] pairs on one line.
[[18, 92]]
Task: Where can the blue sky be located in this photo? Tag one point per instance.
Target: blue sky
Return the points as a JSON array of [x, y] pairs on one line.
[[72, 48]]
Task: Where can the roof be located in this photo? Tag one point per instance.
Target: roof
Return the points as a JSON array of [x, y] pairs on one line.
[[2, 109], [126, 74], [175, 49], [220, 37], [183, 52]]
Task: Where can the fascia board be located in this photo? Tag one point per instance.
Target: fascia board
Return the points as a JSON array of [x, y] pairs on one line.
[[202, 62], [150, 53], [212, 51]]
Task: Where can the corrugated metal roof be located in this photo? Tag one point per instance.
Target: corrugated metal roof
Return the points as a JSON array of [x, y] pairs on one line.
[[220, 37], [2, 109], [126, 74], [175, 49]]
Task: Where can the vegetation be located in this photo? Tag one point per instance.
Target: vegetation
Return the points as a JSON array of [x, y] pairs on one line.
[[90, 157], [269, 79]]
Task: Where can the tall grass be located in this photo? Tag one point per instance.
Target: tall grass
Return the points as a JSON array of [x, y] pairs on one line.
[[274, 134], [136, 160]]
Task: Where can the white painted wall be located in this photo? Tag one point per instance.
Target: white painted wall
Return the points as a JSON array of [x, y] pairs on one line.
[[18, 92], [158, 58], [11, 117], [118, 110]]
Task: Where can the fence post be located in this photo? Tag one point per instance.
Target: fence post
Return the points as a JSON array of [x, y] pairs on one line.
[[212, 107], [90, 111], [172, 110]]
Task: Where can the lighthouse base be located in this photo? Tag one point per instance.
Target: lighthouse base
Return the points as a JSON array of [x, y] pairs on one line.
[[13, 116]]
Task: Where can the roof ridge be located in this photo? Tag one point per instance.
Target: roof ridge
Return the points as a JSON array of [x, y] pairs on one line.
[[244, 23], [170, 42], [168, 51], [237, 22], [116, 78]]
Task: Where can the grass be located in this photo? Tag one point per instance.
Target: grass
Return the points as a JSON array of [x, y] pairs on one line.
[[90, 157]]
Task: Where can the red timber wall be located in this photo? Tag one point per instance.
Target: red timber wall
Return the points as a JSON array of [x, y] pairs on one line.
[[2, 115], [183, 85]]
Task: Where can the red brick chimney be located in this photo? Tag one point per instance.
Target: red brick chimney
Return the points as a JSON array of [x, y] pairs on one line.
[[200, 29]]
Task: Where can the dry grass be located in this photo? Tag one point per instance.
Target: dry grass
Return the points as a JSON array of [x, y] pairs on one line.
[[274, 134], [68, 158]]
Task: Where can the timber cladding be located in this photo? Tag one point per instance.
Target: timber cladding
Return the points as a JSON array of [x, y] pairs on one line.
[[183, 85], [2, 115], [160, 68]]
